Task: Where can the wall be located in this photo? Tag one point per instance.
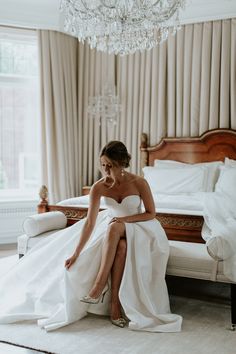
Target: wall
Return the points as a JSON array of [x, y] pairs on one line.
[[12, 215]]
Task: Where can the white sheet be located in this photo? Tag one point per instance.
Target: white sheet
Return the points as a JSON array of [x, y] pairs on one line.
[[190, 204]]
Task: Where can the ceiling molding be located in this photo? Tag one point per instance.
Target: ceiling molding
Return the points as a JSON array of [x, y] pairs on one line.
[[45, 14]]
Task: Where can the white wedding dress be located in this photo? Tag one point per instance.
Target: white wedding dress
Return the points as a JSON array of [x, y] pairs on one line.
[[39, 287]]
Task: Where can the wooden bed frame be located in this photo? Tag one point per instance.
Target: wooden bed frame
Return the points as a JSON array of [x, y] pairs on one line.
[[213, 145]]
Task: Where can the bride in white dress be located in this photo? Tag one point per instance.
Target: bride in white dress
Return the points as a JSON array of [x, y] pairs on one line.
[[114, 258]]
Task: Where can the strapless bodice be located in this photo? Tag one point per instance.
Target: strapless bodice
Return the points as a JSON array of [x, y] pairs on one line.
[[129, 205]]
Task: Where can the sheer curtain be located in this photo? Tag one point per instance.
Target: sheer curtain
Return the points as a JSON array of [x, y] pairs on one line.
[[183, 87]]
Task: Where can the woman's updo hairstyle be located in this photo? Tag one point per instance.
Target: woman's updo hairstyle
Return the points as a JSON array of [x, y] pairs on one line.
[[116, 152]]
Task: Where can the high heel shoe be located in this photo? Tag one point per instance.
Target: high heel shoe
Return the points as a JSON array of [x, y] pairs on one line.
[[120, 322], [91, 300]]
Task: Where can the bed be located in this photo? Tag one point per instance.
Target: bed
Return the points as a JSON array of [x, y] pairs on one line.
[[189, 256], [184, 224]]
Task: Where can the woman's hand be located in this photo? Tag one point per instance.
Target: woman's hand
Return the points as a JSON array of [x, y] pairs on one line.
[[117, 219], [70, 261]]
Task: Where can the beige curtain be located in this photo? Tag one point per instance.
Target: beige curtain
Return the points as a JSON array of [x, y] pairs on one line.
[[59, 123], [70, 72], [183, 87]]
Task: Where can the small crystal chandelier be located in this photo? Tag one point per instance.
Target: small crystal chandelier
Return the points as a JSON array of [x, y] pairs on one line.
[[105, 106], [124, 26]]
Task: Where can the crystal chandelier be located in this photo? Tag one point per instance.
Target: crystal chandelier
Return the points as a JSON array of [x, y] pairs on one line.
[[124, 26], [105, 106]]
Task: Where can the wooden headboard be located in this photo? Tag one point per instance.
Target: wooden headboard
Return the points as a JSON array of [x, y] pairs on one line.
[[213, 145]]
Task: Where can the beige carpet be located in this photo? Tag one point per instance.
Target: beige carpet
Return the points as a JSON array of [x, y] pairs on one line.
[[205, 330]]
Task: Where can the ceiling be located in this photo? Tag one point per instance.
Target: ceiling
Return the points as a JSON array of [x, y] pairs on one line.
[[45, 14]]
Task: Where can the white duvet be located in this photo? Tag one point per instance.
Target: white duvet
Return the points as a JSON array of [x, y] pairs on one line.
[[220, 220]]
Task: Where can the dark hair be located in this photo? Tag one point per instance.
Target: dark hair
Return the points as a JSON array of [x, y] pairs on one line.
[[116, 152]]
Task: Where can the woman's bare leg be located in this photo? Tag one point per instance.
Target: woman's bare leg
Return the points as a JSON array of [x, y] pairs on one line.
[[116, 276], [115, 232]]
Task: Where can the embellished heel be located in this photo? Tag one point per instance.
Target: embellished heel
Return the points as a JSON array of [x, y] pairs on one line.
[[120, 322], [91, 300]]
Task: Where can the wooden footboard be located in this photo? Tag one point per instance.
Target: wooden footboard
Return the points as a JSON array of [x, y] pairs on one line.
[[180, 227], [177, 227]]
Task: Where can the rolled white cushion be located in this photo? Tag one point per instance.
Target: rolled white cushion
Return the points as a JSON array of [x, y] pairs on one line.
[[37, 224], [219, 248]]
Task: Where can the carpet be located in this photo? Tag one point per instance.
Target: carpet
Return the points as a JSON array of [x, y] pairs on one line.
[[205, 331]]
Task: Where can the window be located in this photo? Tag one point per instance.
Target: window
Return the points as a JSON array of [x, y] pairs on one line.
[[19, 114]]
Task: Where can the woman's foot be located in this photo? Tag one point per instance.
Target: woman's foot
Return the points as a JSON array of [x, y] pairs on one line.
[[120, 322], [116, 317], [97, 290], [95, 294]]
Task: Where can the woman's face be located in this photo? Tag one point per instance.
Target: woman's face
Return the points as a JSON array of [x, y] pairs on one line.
[[108, 167]]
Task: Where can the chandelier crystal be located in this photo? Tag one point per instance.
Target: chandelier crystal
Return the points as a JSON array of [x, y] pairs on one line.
[[124, 26], [105, 106]]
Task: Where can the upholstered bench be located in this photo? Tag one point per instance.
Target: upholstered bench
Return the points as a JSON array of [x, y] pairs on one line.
[[25, 242], [37, 227], [192, 260]]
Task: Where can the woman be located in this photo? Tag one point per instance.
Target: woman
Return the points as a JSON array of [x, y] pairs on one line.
[[56, 297]]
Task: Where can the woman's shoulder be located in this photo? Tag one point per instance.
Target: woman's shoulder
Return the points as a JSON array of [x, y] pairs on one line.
[[136, 178], [138, 181], [98, 186]]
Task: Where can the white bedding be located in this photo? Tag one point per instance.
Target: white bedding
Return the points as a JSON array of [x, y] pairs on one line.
[[220, 219], [190, 204]]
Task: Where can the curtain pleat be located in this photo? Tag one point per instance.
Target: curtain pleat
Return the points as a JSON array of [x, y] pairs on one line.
[[205, 78], [215, 76], [233, 75], [171, 86], [225, 76], [181, 88], [195, 79], [187, 74]]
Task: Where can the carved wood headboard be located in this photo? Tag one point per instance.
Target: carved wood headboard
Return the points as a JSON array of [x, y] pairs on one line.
[[214, 145]]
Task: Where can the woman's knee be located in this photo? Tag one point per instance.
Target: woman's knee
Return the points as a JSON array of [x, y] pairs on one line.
[[116, 228], [121, 248]]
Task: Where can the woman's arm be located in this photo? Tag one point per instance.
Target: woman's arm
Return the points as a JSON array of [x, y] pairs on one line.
[[94, 204], [146, 196]]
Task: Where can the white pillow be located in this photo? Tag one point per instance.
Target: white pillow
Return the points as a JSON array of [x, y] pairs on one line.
[[176, 181], [226, 183], [219, 248], [37, 224], [82, 200], [213, 169], [230, 162]]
